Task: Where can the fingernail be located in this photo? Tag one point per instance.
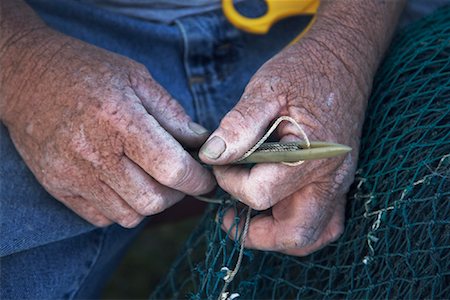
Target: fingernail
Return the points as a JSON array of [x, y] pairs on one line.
[[214, 148], [197, 128]]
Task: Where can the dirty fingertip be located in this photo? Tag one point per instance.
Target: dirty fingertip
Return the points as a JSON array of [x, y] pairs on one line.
[[213, 148]]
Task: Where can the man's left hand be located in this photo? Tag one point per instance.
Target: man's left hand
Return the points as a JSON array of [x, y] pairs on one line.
[[321, 91]]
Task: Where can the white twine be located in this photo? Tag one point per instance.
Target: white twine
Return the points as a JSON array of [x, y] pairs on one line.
[[230, 274], [272, 129]]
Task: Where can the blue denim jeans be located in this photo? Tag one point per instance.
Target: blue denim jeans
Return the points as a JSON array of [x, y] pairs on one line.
[[46, 250]]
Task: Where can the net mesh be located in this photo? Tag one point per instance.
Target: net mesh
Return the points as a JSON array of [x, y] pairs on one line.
[[397, 238]]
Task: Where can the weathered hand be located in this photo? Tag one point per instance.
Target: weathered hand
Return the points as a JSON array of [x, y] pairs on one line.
[[326, 96], [98, 132], [323, 82]]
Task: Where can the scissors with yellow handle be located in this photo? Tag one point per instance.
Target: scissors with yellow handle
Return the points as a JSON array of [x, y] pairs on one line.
[[276, 10]]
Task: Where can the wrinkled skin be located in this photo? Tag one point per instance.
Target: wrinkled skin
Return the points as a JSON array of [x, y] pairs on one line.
[[106, 140], [314, 86], [323, 82], [100, 134]]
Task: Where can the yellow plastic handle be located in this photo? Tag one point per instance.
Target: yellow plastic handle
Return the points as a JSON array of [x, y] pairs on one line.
[[276, 10]]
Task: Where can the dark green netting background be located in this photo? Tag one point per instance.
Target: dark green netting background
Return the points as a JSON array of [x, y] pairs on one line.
[[397, 238]]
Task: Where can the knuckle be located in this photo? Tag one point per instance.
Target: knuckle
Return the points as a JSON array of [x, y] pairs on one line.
[[296, 237], [150, 206], [166, 105], [52, 182], [303, 236], [153, 208], [203, 185], [101, 222], [114, 115], [259, 205], [258, 196], [177, 175], [221, 178], [172, 107], [130, 220], [336, 232], [288, 243], [139, 68]]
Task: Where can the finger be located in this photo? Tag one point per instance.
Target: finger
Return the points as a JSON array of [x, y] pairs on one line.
[[168, 112], [144, 194], [296, 222], [234, 230], [84, 209], [264, 185], [163, 158], [331, 233], [244, 125], [111, 205]]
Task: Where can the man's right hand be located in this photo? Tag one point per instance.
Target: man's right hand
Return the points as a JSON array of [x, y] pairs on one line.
[[96, 130]]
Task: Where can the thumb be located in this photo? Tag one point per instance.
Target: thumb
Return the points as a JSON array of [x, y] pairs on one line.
[[168, 112], [242, 127]]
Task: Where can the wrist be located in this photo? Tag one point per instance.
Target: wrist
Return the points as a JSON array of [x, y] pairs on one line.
[[17, 19], [22, 33], [373, 21], [355, 33], [20, 61]]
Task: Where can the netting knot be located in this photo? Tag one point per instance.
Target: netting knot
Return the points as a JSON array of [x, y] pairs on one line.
[[224, 296], [227, 272]]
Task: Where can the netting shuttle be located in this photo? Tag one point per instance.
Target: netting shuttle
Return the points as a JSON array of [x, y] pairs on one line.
[[273, 152]]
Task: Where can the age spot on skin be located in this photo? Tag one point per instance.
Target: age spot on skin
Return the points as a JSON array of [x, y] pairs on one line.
[[79, 106], [29, 128]]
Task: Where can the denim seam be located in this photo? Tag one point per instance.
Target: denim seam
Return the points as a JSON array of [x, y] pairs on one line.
[[83, 279], [186, 67]]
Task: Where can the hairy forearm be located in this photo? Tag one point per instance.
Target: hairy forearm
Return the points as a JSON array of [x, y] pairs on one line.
[[24, 40], [16, 18], [357, 32]]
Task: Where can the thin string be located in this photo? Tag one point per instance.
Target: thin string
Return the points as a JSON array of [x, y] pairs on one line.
[[214, 200], [228, 278], [231, 274], [272, 129], [256, 146]]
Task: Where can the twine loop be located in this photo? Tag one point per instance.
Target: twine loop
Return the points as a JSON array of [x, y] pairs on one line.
[[230, 274]]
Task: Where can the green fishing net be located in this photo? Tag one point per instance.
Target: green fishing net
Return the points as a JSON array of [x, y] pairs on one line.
[[397, 238]]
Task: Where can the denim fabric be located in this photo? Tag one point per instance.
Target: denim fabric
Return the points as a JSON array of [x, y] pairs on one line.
[[70, 268], [48, 251], [219, 60], [163, 11]]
